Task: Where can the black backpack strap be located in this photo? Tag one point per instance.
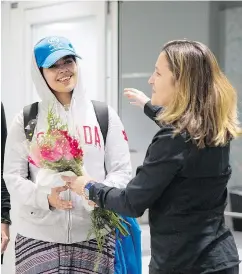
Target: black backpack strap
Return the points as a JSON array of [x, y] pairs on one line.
[[101, 111], [30, 113]]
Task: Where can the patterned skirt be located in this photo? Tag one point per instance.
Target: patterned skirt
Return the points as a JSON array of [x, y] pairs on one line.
[[35, 257]]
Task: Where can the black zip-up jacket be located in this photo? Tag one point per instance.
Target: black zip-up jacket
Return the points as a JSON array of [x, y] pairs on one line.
[[185, 189], [5, 197]]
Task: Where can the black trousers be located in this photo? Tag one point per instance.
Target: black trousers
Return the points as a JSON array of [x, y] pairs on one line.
[[233, 270]]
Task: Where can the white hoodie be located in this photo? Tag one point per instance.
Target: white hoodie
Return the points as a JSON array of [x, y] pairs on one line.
[[36, 220]]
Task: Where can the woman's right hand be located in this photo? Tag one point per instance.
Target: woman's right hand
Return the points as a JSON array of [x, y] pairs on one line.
[[137, 97], [56, 201]]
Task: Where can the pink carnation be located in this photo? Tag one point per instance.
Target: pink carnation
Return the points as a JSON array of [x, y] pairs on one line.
[[73, 150], [31, 161], [51, 154], [64, 147]]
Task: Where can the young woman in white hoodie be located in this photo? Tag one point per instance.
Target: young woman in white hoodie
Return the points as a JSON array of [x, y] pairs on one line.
[[53, 229]]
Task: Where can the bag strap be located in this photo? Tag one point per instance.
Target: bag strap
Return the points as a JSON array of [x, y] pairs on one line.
[[30, 113], [101, 111]]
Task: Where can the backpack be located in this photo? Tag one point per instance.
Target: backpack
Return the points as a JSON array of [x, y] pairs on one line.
[[30, 112]]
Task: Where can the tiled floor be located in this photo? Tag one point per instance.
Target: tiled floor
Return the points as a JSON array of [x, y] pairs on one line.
[[146, 249]]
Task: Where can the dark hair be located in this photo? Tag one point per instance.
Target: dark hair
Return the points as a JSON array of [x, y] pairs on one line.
[[65, 57]]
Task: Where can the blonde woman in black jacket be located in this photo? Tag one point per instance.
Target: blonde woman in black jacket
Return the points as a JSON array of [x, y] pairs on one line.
[[183, 180]]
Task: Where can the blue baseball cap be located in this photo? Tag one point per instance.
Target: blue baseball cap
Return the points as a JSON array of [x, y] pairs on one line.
[[50, 49]]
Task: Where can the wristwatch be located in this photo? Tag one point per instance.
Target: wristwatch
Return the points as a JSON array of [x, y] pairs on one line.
[[87, 188]]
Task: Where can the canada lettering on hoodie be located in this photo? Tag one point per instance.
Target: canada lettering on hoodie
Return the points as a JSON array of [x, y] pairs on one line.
[[36, 219], [91, 136]]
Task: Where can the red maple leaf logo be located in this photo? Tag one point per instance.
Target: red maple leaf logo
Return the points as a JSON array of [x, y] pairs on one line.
[[125, 135]]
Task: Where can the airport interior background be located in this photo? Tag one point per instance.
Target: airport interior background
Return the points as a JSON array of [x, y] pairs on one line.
[[119, 42]]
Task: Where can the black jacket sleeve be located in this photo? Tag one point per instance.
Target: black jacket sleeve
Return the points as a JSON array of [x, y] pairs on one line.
[[165, 157], [152, 111], [5, 200]]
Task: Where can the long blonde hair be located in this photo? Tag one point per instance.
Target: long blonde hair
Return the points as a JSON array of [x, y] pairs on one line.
[[205, 104]]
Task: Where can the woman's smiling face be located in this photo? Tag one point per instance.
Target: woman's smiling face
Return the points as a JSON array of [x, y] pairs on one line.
[[62, 76]]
